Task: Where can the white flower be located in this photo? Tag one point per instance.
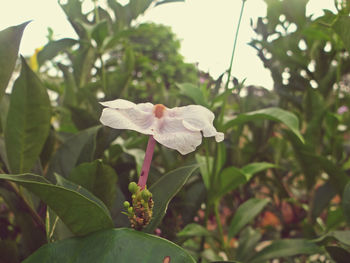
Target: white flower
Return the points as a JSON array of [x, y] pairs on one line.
[[179, 128]]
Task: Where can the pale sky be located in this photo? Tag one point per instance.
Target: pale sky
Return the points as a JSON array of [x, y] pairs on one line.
[[205, 27]]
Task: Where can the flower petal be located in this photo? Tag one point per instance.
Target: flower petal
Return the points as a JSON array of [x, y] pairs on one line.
[[197, 118], [172, 134], [118, 104], [131, 119]]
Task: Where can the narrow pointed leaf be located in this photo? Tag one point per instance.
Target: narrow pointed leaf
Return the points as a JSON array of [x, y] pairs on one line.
[[286, 248], [28, 121], [164, 190], [53, 48], [10, 38], [245, 213], [168, 1], [273, 114], [81, 211], [252, 168], [114, 245]]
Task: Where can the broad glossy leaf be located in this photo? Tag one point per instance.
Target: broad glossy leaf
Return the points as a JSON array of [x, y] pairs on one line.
[[346, 203], [164, 190], [286, 248], [53, 48], [274, 114], [28, 121], [79, 148], [10, 38], [115, 245], [98, 178], [245, 213], [81, 211]]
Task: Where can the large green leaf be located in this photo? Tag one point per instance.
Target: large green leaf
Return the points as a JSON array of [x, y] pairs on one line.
[[286, 248], [79, 148], [28, 121], [245, 213], [100, 179], [81, 211], [274, 114], [10, 38], [114, 245], [164, 190]]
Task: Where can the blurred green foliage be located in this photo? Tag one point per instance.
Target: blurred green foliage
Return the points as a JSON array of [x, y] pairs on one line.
[[277, 187]]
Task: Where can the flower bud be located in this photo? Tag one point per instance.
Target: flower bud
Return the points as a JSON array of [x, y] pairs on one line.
[[146, 195], [133, 188], [126, 204]]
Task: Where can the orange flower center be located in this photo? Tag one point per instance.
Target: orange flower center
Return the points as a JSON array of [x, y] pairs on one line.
[[159, 110]]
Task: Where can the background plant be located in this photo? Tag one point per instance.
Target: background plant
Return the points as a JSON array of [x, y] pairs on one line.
[[276, 188]]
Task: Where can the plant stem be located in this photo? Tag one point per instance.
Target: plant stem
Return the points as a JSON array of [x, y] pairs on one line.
[[231, 62], [147, 162], [218, 222]]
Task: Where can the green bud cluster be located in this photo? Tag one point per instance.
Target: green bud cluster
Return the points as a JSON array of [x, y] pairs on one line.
[[140, 213]]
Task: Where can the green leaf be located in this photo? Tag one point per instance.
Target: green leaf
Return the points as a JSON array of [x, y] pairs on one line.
[[248, 240], [342, 236], [342, 27], [114, 245], [229, 179], [193, 92], [164, 190], [79, 148], [82, 212], [28, 121], [253, 168], [10, 38], [286, 248], [273, 114], [323, 196], [205, 166], [98, 178], [53, 48], [167, 1], [194, 230], [245, 213], [346, 203]]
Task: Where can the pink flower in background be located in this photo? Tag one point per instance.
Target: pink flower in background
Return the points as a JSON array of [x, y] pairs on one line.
[[342, 109], [179, 128]]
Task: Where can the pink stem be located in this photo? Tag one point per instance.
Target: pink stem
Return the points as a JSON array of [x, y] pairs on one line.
[[147, 162]]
